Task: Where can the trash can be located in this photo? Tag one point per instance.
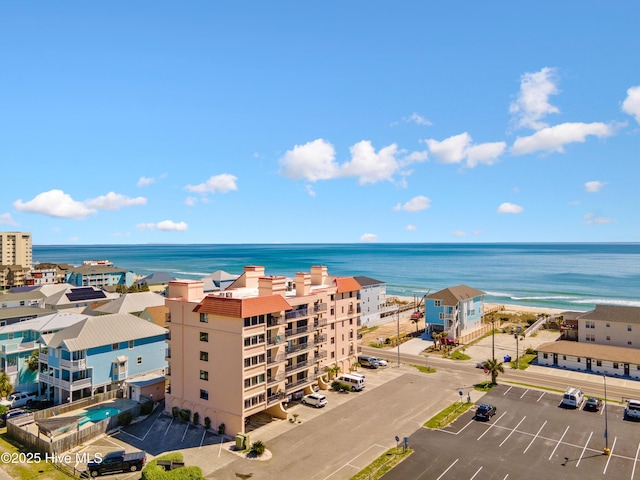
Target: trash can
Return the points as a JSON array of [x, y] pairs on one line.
[[242, 441]]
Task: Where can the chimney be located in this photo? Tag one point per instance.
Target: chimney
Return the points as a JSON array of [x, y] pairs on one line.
[[271, 286], [252, 274], [318, 275], [191, 291], [303, 283]]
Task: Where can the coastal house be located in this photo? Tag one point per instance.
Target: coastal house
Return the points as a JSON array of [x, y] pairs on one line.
[[134, 303], [66, 297], [373, 301], [156, 282], [218, 280], [19, 341], [456, 310], [99, 276], [259, 343], [12, 276], [99, 354], [608, 341], [29, 298]]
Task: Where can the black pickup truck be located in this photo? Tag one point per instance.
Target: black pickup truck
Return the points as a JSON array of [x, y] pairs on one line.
[[116, 462]]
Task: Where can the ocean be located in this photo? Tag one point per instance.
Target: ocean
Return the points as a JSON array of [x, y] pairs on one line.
[[570, 276]]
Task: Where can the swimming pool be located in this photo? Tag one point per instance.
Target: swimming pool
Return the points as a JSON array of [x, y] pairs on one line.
[[99, 414]]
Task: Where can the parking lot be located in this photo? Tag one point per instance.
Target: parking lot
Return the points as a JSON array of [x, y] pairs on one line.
[[529, 437]]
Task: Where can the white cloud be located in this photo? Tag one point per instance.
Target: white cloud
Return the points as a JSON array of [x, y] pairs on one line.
[[114, 201], [532, 104], [592, 219], [369, 238], [594, 186], [631, 104], [190, 201], [509, 208], [369, 166], [144, 181], [411, 228], [457, 148], [416, 204], [418, 119], [6, 219], [555, 138], [312, 161], [477, 232], [165, 225], [55, 203], [310, 191], [222, 183], [459, 233]]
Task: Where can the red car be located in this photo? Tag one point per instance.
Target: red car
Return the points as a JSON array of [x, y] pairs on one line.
[[449, 341]]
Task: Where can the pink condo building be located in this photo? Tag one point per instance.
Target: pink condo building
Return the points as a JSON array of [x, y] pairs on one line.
[[259, 343]]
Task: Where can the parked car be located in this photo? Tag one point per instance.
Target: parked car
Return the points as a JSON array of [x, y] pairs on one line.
[[485, 411], [315, 400], [116, 462], [16, 412], [449, 341], [592, 404], [380, 361], [480, 365], [632, 410], [18, 399], [367, 361], [39, 404]]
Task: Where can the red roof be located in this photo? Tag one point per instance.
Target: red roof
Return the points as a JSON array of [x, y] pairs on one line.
[[242, 307], [347, 284]]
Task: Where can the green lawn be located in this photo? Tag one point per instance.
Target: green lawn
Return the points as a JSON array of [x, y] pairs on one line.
[[382, 464], [448, 415]]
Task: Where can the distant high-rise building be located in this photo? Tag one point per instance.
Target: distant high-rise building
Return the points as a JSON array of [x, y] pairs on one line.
[[16, 249]]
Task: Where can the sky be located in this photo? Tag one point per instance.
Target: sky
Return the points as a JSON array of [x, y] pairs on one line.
[[319, 122]]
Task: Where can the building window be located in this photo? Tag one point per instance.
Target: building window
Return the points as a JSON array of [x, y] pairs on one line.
[[204, 356], [578, 359], [333, 340], [351, 321], [204, 318], [564, 357], [590, 337], [615, 365], [204, 337], [130, 344], [333, 354], [545, 355], [629, 342], [441, 316], [628, 328], [254, 340], [437, 303], [608, 324], [139, 360], [589, 324], [598, 363], [608, 337], [115, 346], [204, 394], [204, 375]]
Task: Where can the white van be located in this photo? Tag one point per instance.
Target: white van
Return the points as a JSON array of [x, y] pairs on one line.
[[356, 381], [572, 397], [632, 412]]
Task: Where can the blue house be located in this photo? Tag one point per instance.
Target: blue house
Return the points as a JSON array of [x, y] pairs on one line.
[[19, 341], [455, 310], [98, 354], [99, 276]]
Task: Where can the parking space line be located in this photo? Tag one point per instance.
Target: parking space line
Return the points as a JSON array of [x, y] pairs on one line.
[[610, 455], [132, 435], [583, 450], [534, 438], [220, 450], [167, 430], [540, 397], [524, 393], [474, 475], [185, 433], [348, 464], [559, 442], [507, 390], [445, 472], [202, 439], [492, 425], [635, 461], [511, 433]]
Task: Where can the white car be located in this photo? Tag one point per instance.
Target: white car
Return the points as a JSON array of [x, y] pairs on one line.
[[18, 399], [381, 362], [315, 400]]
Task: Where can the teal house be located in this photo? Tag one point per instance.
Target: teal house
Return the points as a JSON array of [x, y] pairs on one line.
[[455, 310]]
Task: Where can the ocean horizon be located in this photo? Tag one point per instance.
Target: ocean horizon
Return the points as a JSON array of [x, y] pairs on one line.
[[569, 276]]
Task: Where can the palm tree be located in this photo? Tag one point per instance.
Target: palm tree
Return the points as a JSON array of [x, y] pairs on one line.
[[494, 367], [5, 384], [333, 371]]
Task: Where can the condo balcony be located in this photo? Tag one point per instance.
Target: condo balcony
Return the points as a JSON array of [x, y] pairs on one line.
[[277, 340], [299, 347], [299, 313], [291, 332], [74, 365], [279, 358], [275, 321], [320, 338], [319, 307], [319, 323], [298, 383], [276, 379], [299, 365]]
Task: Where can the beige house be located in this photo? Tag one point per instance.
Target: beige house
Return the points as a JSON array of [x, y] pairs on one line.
[[256, 345]]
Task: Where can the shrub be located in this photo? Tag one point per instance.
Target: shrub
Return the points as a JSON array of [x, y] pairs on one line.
[[207, 423], [221, 428], [125, 418], [530, 351], [175, 411], [185, 415], [196, 418], [153, 472], [146, 408], [257, 448], [335, 385]]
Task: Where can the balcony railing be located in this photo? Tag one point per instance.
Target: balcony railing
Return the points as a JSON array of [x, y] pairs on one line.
[[278, 397], [296, 331], [320, 338], [298, 366], [299, 347], [18, 347], [319, 307], [74, 364], [321, 354], [321, 322], [300, 313], [274, 321], [275, 359], [276, 379], [274, 341], [297, 383], [65, 384]]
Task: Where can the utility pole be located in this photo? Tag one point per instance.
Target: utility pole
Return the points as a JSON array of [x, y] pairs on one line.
[[606, 433], [398, 338], [493, 341]]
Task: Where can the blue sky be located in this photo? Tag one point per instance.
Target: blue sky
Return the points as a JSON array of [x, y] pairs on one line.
[[319, 122]]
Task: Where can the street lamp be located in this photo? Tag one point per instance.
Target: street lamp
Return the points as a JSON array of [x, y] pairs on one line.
[[606, 432], [493, 340], [398, 337]]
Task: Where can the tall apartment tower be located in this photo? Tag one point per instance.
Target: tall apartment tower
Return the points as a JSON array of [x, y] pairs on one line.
[[16, 249], [263, 341]]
